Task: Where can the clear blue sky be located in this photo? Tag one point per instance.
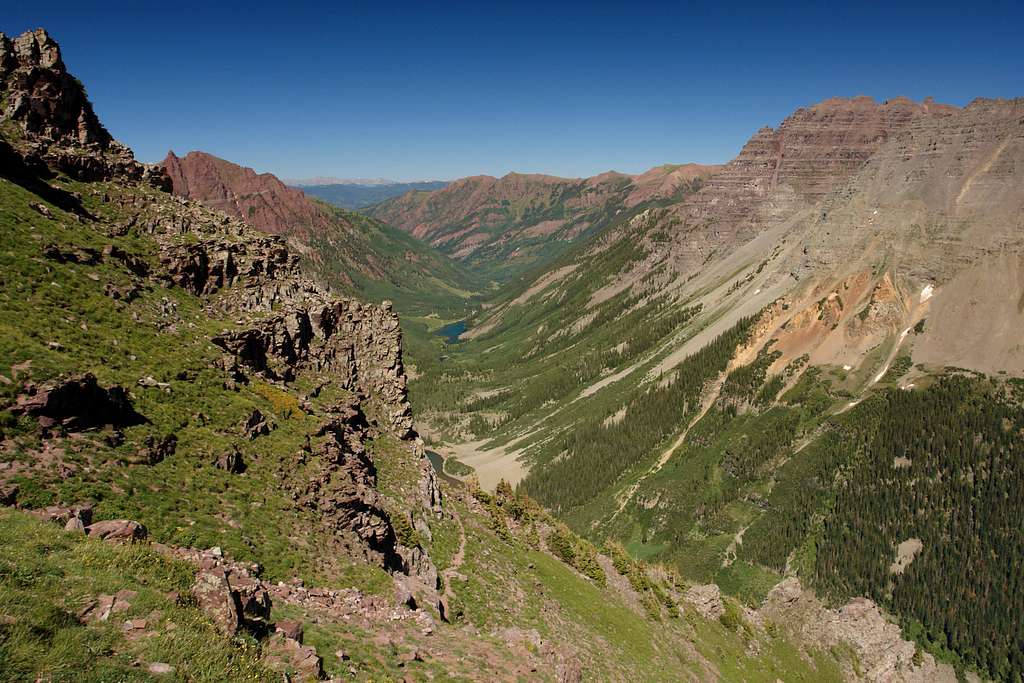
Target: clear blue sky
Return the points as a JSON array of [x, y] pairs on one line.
[[445, 89]]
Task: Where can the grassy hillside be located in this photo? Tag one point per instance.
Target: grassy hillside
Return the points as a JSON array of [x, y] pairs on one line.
[[525, 595]]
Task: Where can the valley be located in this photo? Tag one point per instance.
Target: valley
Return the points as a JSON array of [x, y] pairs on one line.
[[751, 421]]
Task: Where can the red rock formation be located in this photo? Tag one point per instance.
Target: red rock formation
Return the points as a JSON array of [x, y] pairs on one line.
[[260, 199], [666, 181], [780, 171]]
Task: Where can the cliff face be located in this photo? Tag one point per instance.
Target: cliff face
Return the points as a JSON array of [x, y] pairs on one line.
[[782, 171]]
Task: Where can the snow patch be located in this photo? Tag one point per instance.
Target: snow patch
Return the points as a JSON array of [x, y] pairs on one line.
[[926, 292], [847, 367]]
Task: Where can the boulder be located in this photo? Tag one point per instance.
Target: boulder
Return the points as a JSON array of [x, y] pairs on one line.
[[8, 494], [230, 594], [251, 598], [157, 449], [66, 516], [117, 530], [290, 628], [214, 596], [282, 653], [104, 605], [256, 425], [231, 462], [707, 600], [78, 403]]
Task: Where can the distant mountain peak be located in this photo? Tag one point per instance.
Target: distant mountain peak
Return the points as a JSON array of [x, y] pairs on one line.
[[317, 181]]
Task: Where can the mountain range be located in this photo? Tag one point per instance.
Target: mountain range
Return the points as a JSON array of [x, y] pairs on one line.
[[754, 421], [504, 226], [352, 252]]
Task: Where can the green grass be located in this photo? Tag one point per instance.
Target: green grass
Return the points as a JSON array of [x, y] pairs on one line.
[[47, 575]]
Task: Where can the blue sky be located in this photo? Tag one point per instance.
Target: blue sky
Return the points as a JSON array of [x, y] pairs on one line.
[[447, 89]]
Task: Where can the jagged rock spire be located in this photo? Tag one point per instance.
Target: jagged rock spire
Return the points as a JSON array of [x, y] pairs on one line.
[[59, 128], [42, 96]]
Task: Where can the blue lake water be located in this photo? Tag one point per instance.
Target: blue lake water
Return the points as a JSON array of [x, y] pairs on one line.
[[437, 460], [451, 331]]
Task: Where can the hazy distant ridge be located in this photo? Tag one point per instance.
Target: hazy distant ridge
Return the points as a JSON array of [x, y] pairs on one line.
[[360, 193]]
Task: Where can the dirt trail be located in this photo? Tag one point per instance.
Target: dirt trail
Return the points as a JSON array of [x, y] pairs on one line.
[[709, 400], [457, 559]]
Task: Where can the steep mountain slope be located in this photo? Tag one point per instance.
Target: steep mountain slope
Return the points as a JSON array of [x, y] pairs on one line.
[[802, 368], [345, 249], [504, 226], [230, 452], [359, 196]]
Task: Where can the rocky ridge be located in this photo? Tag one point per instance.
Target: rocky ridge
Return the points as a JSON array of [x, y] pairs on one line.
[[346, 251], [54, 119], [279, 325]]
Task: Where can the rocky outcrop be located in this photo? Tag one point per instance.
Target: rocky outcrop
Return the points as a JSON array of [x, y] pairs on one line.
[[231, 462], [59, 127], [77, 403], [230, 593], [290, 324], [336, 478], [706, 599], [117, 530], [881, 653], [357, 345], [42, 96], [256, 425]]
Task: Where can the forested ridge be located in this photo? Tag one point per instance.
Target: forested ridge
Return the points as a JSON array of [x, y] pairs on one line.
[[589, 465], [940, 468]]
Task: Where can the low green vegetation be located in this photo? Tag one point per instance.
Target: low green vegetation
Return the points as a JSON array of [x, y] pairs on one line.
[[48, 577]]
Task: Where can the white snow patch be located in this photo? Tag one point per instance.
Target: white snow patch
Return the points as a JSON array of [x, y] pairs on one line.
[[757, 291], [847, 367], [927, 292]]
